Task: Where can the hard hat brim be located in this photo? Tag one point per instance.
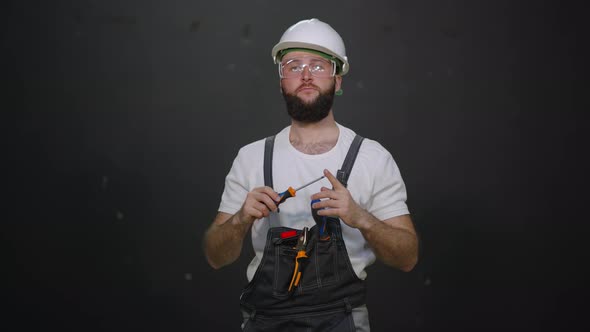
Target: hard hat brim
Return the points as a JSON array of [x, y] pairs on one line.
[[287, 44]]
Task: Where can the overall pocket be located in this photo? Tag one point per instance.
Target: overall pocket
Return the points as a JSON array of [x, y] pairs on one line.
[[319, 269], [323, 265], [284, 266]]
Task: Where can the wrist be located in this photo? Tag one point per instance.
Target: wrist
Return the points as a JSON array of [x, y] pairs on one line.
[[365, 220], [240, 219]]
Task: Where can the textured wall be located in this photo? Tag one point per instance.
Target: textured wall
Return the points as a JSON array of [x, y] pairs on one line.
[[129, 114]]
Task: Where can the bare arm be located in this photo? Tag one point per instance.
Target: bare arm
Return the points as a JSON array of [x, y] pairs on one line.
[[394, 240], [224, 239]]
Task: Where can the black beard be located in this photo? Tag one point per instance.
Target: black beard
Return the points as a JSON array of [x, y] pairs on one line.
[[311, 112]]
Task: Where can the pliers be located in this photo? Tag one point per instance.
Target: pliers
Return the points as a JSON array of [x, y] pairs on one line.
[[321, 221], [301, 254]]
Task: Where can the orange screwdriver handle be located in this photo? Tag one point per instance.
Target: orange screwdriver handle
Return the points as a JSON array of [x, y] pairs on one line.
[[286, 194]]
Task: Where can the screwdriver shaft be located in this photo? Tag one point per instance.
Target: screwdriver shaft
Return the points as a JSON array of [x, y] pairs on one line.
[[307, 184]]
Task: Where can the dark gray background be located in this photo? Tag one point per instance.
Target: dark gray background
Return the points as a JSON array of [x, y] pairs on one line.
[[127, 115]]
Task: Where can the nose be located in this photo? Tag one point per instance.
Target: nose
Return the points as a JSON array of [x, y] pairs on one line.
[[306, 74]]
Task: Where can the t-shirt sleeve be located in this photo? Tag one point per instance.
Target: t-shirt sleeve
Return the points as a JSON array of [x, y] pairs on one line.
[[389, 191], [236, 186]]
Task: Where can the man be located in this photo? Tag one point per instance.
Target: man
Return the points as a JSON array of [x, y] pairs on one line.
[[312, 250]]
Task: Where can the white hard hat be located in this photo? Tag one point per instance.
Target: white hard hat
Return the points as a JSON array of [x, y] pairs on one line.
[[315, 35]]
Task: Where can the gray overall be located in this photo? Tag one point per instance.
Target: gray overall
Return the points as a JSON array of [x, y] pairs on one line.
[[329, 296]]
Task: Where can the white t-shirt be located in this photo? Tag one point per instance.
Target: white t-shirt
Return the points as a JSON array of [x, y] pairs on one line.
[[375, 183]]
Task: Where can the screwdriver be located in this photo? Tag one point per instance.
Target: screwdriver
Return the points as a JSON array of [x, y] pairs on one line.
[[291, 192]]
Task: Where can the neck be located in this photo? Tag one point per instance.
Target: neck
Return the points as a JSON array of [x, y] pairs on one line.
[[314, 138]]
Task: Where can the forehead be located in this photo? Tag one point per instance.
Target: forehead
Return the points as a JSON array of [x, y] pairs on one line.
[[302, 54]]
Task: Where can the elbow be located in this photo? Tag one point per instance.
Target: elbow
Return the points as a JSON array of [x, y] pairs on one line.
[[412, 259], [213, 256], [214, 265], [215, 262], [406, 264], [211, 260], [409, 266]]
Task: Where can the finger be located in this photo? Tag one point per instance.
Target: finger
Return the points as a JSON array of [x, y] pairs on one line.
[[253, 212], [266, 195], [325, 193], [268, 191], [330, 212], [267, 201], [333, 180], [328, 203], [263, 209]]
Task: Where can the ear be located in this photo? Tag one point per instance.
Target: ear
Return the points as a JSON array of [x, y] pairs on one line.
[[337, 82]]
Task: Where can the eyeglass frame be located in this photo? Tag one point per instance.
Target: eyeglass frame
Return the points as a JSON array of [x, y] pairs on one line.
[[280, 67]]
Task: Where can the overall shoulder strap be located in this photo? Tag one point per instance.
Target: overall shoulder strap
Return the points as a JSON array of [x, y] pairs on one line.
[[268, 148], [344, 172]]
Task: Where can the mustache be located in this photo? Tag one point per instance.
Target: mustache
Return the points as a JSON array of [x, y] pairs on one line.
[[307, 85]]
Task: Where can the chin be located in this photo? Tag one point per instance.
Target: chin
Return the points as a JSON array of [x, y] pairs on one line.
[[308, 100]]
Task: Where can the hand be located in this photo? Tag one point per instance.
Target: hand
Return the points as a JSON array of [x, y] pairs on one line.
[[258, 204], [339, 204]]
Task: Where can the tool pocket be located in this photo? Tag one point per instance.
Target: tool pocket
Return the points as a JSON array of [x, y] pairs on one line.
[[322, 269], [319, 269], [284, 266]]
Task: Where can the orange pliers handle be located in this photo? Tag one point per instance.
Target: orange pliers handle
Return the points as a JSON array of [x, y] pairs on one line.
[[301, 244], [297, 272]]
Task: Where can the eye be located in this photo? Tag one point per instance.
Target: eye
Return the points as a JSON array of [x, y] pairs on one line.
[[296, 68], [293, 67], [316, 67]]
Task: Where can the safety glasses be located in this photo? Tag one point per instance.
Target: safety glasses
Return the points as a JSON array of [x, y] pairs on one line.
[[318, 67]]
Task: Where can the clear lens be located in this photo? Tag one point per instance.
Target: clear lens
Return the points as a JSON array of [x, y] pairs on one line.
[[318, 67]]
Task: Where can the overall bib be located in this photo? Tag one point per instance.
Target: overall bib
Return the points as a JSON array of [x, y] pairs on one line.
[[328, 287]]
